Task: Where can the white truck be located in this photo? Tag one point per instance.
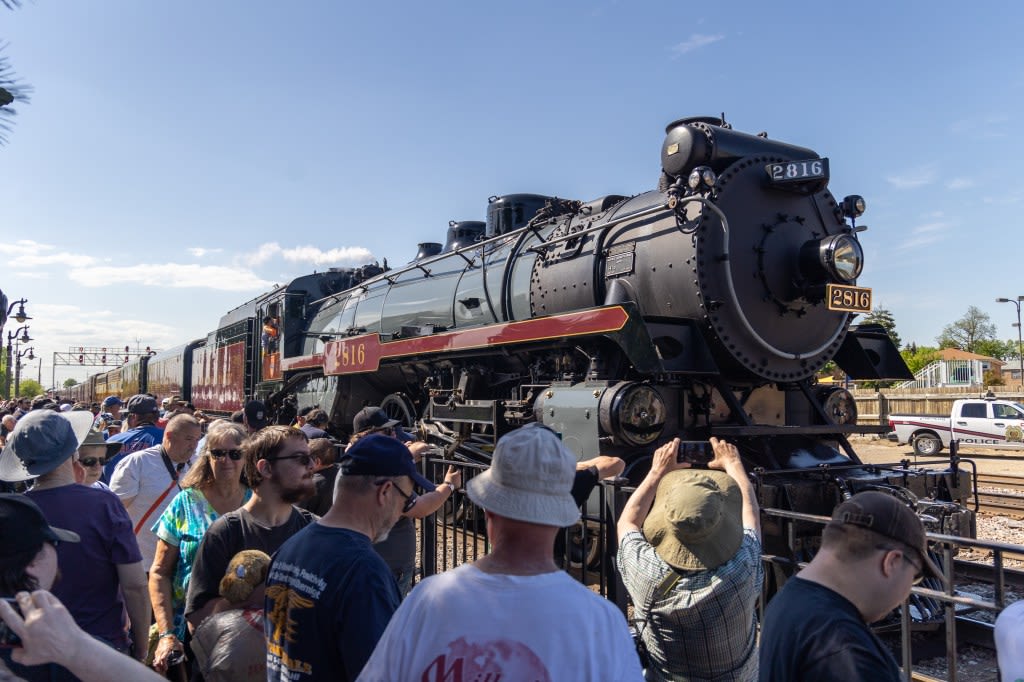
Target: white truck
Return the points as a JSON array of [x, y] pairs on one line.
[[987, 423]]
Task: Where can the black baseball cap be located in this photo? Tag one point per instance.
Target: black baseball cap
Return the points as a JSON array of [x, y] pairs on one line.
[[380, 455], [23, 527], [890, 517], [256, 414], [372, 418]]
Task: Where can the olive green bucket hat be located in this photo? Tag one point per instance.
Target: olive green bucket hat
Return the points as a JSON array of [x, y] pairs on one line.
[[696, 522]]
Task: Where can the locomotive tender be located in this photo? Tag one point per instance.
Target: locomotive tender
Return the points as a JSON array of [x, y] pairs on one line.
[[703, 307]]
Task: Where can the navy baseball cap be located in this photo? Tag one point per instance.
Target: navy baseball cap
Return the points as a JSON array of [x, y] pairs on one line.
[[112, 400], [380, 455]]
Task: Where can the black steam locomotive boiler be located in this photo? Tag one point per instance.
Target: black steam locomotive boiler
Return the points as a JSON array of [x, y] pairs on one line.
[[704, 307]]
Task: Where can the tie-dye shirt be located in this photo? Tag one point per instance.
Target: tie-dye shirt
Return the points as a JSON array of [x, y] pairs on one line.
[[183, 525]]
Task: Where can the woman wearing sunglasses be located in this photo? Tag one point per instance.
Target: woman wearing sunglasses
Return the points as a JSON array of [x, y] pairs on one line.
[[212, 487], [93, 453]]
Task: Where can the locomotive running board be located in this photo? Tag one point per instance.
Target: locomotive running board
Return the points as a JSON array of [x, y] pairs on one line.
[[364, 353]]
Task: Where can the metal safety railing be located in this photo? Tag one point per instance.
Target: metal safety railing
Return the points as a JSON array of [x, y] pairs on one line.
[[456, 534]]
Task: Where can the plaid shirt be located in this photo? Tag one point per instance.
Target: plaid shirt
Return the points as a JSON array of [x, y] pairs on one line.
[[704, 628]]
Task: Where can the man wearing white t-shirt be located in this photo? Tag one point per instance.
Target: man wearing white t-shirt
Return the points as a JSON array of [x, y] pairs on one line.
[[147, 480], [512, 614]]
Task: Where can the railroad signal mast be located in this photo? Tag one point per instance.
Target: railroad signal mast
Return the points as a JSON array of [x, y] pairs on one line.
[[97, 356]]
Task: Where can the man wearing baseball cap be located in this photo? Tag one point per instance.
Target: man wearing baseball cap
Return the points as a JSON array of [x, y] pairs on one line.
[[329, 595], [142, 432], [109, 416], [817, 627], [511, 615], [102, 575]]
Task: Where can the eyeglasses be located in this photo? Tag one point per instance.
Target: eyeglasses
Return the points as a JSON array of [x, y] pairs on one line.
[[918, 570], [304, 459], [410, 500], [92, 461], [235, 455]]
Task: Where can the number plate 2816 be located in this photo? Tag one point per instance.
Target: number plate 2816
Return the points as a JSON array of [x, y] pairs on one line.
[[848, 299], [797, 171]]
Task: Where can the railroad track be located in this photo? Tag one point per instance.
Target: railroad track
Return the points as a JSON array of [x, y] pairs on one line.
[[982, 572], [1003, 481], [1002, 495]]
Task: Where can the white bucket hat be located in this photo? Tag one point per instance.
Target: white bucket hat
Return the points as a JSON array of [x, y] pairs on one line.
[[530, 479]]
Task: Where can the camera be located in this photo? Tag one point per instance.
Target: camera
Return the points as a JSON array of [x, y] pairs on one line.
[[696, 452], [7, 636]]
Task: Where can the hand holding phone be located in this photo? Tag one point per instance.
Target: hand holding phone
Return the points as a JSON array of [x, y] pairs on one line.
[[8, 638], [695, 452]]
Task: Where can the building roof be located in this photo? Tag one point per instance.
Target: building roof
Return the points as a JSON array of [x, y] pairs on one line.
[[957, 354]]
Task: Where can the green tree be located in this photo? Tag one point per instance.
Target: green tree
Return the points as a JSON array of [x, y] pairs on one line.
[[883, 316], [919, 357], [68, 383], [994, 348], [967, 332], [30, 387]]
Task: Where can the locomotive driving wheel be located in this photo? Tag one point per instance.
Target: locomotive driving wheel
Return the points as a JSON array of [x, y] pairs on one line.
[[399, 406]]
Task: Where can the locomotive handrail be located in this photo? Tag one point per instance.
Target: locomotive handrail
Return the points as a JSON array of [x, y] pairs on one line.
[[392, 275], [543, 246]]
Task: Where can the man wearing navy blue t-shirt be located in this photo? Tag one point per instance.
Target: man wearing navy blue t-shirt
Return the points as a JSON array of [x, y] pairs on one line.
[[329, 595]]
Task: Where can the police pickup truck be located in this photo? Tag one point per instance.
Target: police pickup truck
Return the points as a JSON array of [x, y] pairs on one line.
[[985, 423]]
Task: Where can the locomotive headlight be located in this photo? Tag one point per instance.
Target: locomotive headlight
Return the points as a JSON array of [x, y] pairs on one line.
[[854, 206], [839, 257], [632, 413]]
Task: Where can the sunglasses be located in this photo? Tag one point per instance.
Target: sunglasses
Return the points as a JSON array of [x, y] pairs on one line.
[[235, 455], [918, 570], [410, 500], [92, 461], [304, 459]]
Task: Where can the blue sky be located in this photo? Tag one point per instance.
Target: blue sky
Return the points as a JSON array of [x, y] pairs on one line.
[[178, 159]]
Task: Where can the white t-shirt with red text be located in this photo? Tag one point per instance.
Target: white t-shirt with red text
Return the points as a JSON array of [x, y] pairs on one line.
[[466, 625]]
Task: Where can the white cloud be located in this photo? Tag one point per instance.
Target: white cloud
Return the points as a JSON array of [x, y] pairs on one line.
[[35, 274], [171, 275], [913, 178], [199, 251], [927, 233], [695, 42], [311, 254], [26, 253], [262, 254], [58, 327], [960, 183]]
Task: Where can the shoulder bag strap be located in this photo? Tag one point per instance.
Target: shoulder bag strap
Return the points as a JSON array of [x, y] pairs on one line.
[[174, 484]]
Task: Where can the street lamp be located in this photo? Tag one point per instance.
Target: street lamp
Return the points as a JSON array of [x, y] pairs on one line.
[[17, 368], [1020, 345], [20, 317], [11, 337]]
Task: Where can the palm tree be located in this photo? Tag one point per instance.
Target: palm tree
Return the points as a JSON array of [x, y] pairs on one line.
[[11, 90]]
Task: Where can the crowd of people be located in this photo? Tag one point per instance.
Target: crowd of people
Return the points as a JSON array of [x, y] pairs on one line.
[[175, 547]]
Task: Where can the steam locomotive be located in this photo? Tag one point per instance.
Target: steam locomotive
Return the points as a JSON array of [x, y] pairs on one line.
[[705, 307]]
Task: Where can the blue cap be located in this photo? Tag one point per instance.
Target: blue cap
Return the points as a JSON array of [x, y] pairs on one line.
[[380, 455], [111, 400]]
